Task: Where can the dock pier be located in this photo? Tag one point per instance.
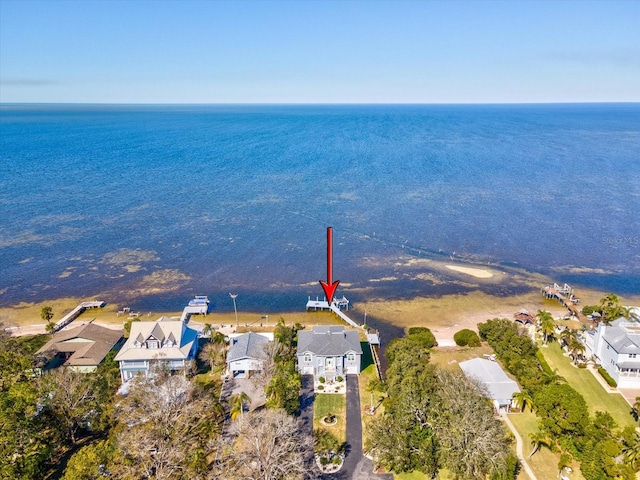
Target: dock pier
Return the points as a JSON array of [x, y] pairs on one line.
[[563, 294], [76, 312], [336, 307]]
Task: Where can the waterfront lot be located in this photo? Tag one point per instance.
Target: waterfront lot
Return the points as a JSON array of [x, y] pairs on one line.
[[597, 398]]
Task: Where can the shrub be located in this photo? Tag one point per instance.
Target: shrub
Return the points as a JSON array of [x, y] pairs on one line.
[[320, 387], [589, 309], [466, 337], [321, 379], [339, 379], [423, 336], [607, 377]]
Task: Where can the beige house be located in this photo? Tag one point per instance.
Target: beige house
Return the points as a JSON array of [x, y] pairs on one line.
[[166, 339], [81, 348]]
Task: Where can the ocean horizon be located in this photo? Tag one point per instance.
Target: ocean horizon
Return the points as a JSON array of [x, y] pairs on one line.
[[151, 204]]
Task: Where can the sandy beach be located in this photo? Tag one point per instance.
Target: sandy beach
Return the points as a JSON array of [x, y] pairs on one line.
[[444, 315]]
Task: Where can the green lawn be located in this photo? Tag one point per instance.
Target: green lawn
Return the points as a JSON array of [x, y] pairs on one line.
[[586, 385], [325, 403], [544, 463]]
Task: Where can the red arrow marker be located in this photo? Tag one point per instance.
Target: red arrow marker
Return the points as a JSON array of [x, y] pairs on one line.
[[329, 286]]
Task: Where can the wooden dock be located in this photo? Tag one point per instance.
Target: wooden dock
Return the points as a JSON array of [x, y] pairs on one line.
[[336, 307], [563, 294], [76, 312]]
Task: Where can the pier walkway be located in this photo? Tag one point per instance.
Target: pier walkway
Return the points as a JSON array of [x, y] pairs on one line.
[[564, 295], [76, 312], [336, 307]]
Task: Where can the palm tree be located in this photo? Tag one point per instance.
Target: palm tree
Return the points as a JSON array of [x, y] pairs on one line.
[[565, 461], [630, 314], [209, 354], [207, 330], [631, 452], [546, 324], [554, 377], [50, 328], [611, 308], [522, 399], [46, 313], [635, 409], [539, 439], [576, 347], [237, 402]]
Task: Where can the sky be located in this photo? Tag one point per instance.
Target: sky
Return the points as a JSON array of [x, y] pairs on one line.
[[206, 51]]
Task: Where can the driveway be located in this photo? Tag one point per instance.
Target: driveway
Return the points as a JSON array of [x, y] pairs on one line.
[[305, 421], [356, 466]]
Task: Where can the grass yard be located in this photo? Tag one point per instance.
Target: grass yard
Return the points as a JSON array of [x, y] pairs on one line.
[[582, 380], [325, 403], [450, 357], [544, 463]]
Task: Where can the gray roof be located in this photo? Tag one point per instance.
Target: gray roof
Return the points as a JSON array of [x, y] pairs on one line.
[[491, 375], [249, 345], [325, 340], [623, 336]]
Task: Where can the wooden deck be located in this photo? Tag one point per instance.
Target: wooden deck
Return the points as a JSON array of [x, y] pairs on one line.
[[564, 295]]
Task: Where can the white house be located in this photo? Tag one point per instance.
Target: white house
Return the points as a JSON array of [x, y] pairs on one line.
[[246, 353], [329, 351], [616, 347], [490, 374], [167, 340]]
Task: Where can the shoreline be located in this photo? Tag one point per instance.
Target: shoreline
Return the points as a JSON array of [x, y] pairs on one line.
[[444, 314]]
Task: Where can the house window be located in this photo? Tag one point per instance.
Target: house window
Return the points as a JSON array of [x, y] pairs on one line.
[[351, 357], [153, 344], [307, 358], [632, 355]]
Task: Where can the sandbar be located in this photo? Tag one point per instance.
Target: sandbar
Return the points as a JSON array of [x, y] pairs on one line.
[[474, 272]]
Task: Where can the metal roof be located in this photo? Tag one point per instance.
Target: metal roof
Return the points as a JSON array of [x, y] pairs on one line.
[[491, 375]]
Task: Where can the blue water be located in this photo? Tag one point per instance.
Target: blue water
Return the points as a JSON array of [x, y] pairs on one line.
[[152, 204]]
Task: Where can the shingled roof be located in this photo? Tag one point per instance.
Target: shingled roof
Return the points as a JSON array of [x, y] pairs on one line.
[[88, 344], [328, 340], [248, 345]]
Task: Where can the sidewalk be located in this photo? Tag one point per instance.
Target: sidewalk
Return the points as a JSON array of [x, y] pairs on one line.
[[519, 453]]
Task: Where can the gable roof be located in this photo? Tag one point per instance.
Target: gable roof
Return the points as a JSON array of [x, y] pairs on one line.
[[328, 340], [88, 344], [248, 345], [491, 375], [161, 329]]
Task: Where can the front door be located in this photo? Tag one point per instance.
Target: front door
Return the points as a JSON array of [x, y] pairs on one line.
[[329, 363]]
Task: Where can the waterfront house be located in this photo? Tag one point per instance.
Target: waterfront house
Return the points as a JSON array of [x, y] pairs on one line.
[[167, 340], [329, 351], [616, 347], [488, 373], [81, 348], [246, 354]]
